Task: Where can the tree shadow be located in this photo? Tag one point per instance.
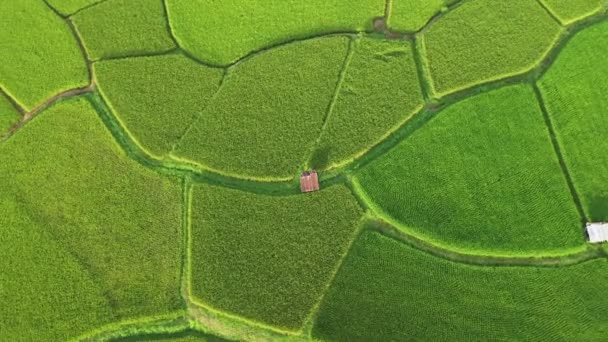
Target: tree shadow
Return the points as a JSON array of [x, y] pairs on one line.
[[320, 158]]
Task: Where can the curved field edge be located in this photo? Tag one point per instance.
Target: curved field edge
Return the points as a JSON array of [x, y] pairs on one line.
[[419, 241], [390, 139], [328, 179]]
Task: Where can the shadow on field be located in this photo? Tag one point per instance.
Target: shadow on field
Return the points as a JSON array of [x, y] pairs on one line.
[[320, 158], [598, 208]]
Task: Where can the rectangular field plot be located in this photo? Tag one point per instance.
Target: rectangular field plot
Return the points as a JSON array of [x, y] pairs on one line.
[[268, 258], [387, 291]]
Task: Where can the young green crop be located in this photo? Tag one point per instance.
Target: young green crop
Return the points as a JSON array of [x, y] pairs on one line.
[[40, 56], [156, 98], [574, 90], [9, 115], [412, 15], [268, 258], [486, 40], [111, 228], [264, 120], [221, 32], [68, 7], [483, 177], [387, 291], [124, 27], [47, 294], [573, 10], [380, 90]]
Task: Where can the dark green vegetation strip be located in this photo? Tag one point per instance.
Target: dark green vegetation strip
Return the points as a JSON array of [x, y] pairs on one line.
[[380, 90], [486, 40], [264, 121], [412, 15], [9, 115], [483, 177], [157, 98], [568, 12], [268, 258], [221, 32], [386, 291], [110, 227], [57, 65], [574, 90], [124, 27]]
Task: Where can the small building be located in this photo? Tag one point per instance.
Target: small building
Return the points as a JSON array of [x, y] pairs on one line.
[[597, 232], [309, 181]]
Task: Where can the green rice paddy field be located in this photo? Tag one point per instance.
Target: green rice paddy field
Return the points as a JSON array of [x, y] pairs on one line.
[[151, 153]]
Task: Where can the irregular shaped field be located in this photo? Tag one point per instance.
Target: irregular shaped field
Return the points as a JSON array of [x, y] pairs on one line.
[[221, 32], [482, 176], [412, 15], [153, 158], [40, 54], [157, 98], [387, 291], [574, 90], [268, 258], [9, 115], [378, 92], [115, 28], [283, 96], [111, 229], [573, 10], [486, 40]]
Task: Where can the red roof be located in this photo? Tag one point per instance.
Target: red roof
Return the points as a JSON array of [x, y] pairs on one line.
[[309, 181]]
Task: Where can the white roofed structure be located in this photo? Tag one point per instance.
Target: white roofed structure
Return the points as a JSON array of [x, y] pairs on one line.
[[597, 232]]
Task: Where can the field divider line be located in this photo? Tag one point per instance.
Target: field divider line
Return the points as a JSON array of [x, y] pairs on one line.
[[542, 4], [559, 154], [169, 323], [382, 223], [445, 101], [424, 77], [187, 190], [332, 103], [308, 325], [200, 113]]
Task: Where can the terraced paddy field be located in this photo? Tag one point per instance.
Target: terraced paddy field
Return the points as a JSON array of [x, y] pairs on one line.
[[153, 157]]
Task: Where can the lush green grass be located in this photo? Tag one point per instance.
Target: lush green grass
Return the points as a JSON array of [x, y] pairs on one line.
[[572, 10], [39, 52], [387, 291], [574, 90], [221, 32], [124, 27], [268, 258], [111, 228], [485, 40], [482, 177], [9, 115], [67, 7], [266, 117], [412, 15], [157, 98], [380, 90]]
